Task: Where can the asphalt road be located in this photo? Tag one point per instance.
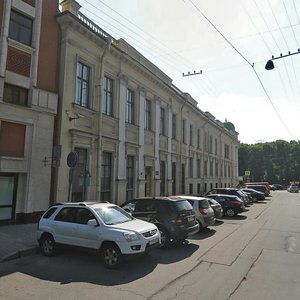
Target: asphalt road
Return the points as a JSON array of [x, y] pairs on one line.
[[252, 256]]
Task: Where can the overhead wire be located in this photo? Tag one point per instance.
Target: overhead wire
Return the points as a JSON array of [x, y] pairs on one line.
[[295, 8], [172, 62], [295, 75], [266, 24], [248, 62], [266, 45]]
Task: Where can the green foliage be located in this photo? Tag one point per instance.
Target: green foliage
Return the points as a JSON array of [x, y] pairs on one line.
[[276, 162]]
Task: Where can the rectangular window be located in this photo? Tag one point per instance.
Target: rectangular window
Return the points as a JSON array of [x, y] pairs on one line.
[[130, 106], [198, 188], [217, 169], [199, 138], [130, 177], [216, 147], [183, 131], [174, 126], [206, 141], [199, 168], [106, 176], [20, 28], [174, 178], [14, 94], [211, 170], [191, 167], [12, 139], [162, 121], [191, 135], [107, 102], [210, 144], [162, 178], [226, 151], [82, 85], [205, 168], [148, 115], [191, 189]]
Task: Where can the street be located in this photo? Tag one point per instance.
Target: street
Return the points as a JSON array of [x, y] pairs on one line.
[[252, 256]]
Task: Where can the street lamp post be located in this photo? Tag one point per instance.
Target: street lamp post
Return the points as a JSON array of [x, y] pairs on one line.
[[270, 64]]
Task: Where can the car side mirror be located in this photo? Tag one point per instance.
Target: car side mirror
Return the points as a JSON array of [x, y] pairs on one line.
[[92, 222]]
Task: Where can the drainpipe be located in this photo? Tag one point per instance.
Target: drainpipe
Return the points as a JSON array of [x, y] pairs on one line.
[[99, 144]]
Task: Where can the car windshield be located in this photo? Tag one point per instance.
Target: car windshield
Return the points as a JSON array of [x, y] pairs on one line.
[[113, 215]]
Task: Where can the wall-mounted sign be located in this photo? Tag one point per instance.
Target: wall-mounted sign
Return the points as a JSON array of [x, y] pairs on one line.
[[72, 159]]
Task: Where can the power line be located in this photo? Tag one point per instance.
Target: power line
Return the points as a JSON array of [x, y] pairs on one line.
[[266, 45], [287, 46], [266, 24], [171, 61], [252, 65]]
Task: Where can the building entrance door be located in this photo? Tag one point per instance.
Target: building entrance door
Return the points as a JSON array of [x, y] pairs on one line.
[[8, 188]]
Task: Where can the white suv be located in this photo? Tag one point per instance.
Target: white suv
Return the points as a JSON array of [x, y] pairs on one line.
[[100, 226]]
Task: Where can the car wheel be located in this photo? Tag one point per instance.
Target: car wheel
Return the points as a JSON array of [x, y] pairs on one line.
[[230, 212], [164, 238], [47, 245], [200, 226], [254, 199], [111, 256]]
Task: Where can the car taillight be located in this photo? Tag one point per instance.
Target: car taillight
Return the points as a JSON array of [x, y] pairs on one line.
[[202, 211], [237, 203]]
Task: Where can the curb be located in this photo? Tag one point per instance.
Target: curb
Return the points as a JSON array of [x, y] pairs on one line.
[[21, 253]]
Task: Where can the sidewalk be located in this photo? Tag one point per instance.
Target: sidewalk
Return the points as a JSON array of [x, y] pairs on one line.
[[17, 241]]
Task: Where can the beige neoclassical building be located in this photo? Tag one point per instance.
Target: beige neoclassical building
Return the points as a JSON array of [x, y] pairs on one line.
[[124, 129]]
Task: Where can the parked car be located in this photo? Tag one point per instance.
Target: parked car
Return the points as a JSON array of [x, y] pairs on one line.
[[260, 188], [293, 189], [256, 195], [231, 204], [230, 191], [216, 206], [276, 186], [104, 227], [173, 216], [205, 215]]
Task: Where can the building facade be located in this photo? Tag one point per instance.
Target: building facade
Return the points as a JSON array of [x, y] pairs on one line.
[[28, 106], [124, 129]]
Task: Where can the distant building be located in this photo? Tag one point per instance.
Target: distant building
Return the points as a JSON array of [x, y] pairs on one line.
[[28, 106]]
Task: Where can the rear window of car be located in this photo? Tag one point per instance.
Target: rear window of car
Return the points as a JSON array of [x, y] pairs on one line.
[[183, 205], [203, 204], [49, 212]]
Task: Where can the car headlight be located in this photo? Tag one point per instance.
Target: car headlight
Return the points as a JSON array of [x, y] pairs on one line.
[[131, 236]]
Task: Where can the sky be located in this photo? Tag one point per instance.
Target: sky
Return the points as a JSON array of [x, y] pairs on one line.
[[228, 43]]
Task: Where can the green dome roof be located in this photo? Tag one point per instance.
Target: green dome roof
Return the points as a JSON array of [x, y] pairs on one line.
[[229, 126]]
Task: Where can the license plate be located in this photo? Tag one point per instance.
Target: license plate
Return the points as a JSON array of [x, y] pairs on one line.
[[190, 219], [154, 241]]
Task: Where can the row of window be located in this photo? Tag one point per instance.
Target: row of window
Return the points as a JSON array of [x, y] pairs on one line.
[[82, 98]]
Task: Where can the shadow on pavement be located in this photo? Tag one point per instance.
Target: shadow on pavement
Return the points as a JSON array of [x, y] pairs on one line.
[[84, 266], [204, 234], [237, 217]]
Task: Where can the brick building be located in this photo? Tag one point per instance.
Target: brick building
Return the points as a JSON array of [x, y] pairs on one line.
[[29, 48]]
